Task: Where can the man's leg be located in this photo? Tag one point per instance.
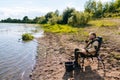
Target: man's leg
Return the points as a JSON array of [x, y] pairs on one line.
[[76, 54]]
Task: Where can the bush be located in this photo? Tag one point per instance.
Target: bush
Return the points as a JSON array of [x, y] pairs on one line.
[[57, 28], [27, 37], [78, 19], [55, 20], [42, 20]]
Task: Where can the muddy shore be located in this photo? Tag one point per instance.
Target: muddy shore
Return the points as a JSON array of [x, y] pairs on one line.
[[56, 49]]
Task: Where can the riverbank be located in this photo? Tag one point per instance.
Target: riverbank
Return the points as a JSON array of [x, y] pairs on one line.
[[59, 49], [50, 64], [56, 49]]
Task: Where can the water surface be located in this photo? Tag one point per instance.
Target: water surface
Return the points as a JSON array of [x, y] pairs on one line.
[[17, 58]]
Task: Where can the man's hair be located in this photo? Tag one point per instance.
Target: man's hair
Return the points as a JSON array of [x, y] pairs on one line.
[[92, 33]]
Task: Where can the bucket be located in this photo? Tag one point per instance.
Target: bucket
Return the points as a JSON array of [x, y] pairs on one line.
[[69, 66]]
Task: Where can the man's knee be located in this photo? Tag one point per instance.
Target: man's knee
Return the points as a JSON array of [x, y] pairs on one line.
[[76, 50]]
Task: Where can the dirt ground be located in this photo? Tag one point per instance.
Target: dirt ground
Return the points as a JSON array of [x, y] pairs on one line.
[[54, 50]]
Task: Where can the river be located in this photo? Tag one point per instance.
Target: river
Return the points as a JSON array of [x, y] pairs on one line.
[[17, 58]]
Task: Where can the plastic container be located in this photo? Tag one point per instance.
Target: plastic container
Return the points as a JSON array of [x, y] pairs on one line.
[[69, 66]]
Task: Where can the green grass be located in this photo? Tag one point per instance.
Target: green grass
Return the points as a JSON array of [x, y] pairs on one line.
[[118, 33], [100, 26], [79, 34], [57, 28], [102, 23], [27, 37], [116, 56]]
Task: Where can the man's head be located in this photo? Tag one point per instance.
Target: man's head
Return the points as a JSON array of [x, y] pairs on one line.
[[92, 35]]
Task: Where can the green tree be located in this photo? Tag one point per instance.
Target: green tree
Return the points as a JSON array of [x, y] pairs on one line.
[[8, 20], [117, 5], [53, 20], [42, 20], [49, 15], [25, 19], [57, 12], [99, 10], [78, 19], [90, 7], [111, 7], [67, 14], [106, 8], [35, 20]]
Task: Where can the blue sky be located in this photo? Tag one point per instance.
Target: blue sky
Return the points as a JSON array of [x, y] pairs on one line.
[[33, 8]]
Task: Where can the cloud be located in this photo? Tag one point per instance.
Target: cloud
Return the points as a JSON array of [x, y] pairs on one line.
[[29, 1], [103, 1], [32, 9], [19, 12], [76, 6]]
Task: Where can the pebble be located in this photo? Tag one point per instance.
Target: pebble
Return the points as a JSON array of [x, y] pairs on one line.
[[30, 75], [60, 63]]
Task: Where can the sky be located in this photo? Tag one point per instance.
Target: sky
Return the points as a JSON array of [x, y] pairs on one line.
[[32, 8]]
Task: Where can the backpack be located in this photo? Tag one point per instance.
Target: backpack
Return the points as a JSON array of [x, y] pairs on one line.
[[100, 40]]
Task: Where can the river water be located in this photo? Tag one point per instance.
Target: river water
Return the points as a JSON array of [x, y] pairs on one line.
[[17, 58]]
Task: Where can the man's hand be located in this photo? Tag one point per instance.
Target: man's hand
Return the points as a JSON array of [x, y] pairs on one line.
[[86, 41], [83, 51]]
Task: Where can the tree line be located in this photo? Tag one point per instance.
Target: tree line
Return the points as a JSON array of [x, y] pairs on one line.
[[73, 17], [99, 9], [24, 20]]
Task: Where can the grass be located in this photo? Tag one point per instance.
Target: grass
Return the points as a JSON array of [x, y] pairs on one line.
[[57, 28], [103, 27], [27, 37], [116, 56], [79, 34], [102, 23], [118, 33]]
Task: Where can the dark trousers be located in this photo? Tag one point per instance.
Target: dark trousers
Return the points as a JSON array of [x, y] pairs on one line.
[[77, 54]]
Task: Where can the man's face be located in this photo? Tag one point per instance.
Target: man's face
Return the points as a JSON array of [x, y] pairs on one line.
[[91, 37]]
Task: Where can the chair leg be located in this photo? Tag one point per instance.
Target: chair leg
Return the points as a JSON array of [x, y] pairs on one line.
[[103, 64], [100, 59], [98, 63], [83, 62]]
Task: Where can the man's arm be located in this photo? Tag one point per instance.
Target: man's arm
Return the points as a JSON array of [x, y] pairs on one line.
[[93, 49]]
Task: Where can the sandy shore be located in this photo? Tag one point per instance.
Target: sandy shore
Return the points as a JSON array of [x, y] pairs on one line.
[[54, 50]]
